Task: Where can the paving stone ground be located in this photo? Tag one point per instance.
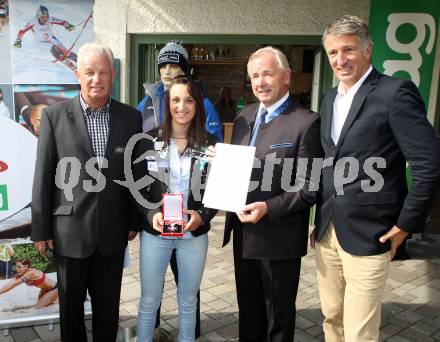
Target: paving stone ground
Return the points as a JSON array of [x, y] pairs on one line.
[[411, 309]]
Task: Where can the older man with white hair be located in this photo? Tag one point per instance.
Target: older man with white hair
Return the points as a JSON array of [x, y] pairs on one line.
[[270, 234], [86, 224]]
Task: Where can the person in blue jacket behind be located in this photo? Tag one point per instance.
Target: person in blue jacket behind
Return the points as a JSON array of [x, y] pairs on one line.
[[172, 61]]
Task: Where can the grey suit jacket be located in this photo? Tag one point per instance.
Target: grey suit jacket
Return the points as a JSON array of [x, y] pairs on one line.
[[90, 220], [283, 232]]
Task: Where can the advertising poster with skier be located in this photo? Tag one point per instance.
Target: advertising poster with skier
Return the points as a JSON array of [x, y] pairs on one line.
[[5, 51], [39, 42], [46, 37], [28, 293]]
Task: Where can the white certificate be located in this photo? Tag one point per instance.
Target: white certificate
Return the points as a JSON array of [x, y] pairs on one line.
[[228, 182]]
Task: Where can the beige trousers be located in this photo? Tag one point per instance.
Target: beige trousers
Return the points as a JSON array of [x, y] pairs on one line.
[[351, 289]]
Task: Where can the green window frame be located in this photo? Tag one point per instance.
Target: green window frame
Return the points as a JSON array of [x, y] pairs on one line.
[[116, 87]]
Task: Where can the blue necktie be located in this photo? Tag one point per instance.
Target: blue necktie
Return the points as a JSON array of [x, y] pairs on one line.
[[260, 121]]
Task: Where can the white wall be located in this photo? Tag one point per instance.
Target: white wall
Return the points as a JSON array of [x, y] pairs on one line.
[[114, 19], [238, 16]]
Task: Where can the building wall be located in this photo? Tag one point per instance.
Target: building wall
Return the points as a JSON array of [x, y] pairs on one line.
[[238, 16], [116, 19]]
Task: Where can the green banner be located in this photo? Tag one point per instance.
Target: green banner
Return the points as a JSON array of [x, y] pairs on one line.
[[3, 197], [404, 34]]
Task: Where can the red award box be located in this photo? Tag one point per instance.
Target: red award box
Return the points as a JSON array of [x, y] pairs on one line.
[[173, 214]]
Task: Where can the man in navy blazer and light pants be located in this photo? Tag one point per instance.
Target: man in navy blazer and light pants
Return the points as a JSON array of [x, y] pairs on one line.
[[371, 125]]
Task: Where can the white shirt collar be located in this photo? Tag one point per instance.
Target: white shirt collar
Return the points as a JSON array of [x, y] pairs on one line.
[[356, 86], [272, 108]]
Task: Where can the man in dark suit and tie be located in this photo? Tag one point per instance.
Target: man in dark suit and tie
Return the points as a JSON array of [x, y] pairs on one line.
[[371, 125], [270, 235], [88, 225]]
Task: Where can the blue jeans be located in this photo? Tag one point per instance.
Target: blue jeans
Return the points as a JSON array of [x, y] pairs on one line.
[[155, 254]]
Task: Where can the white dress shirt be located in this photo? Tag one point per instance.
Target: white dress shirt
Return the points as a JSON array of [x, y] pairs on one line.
[[342, 105], [272, 108]]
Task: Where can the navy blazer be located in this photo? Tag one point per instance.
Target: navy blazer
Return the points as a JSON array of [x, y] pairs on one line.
[[387, 119], [283, 232]]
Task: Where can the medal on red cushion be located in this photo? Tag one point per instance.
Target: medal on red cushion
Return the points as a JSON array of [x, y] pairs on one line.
[[173, 215]]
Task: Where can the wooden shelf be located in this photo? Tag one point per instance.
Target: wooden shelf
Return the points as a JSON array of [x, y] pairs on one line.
[[217, 62]]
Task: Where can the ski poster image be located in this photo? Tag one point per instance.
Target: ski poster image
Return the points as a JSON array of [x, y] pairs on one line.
[[5, 51], [28, 284], [45, 38]]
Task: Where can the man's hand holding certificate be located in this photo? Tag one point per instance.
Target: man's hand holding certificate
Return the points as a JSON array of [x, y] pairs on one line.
[[253, 212]]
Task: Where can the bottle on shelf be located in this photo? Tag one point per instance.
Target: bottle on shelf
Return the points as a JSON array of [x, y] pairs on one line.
[[241, 103]]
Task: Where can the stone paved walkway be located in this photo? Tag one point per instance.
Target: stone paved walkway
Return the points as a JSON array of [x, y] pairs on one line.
[[411, 310]]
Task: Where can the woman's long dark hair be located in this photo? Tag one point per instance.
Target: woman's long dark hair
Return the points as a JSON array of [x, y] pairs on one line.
[[196, 132]]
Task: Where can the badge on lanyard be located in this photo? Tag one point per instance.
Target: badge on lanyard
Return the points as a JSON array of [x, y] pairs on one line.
[[163, 154]]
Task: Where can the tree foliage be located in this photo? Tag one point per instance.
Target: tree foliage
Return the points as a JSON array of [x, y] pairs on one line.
[[27, 250]]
